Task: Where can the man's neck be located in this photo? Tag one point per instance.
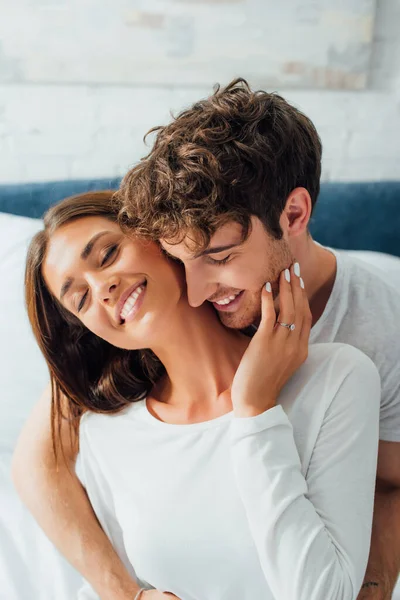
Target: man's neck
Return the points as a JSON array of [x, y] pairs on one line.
[[318, 270]]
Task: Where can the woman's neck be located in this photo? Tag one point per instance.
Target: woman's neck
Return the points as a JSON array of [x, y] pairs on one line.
[[201, 357]]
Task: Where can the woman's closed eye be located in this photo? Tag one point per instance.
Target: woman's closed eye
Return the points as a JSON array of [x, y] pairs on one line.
[[82, 302]]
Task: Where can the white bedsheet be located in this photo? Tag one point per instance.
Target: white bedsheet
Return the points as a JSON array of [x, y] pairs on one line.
[[30, 566]]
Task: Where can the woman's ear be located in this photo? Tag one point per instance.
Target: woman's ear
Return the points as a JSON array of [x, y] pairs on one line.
[[297, 212]]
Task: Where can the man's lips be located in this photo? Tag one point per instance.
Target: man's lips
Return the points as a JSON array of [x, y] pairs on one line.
[[215, 299], [232, 305], [124, 297]]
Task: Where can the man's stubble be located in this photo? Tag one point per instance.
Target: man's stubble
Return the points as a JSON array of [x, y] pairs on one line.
[[278, 258]]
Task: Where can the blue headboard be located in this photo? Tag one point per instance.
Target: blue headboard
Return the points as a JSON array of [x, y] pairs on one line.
[[356, 216]]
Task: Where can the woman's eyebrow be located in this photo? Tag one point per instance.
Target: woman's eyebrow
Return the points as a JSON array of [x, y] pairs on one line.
[[89, 246]]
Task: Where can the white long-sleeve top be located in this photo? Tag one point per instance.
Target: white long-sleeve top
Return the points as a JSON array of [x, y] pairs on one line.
[[272, 507]]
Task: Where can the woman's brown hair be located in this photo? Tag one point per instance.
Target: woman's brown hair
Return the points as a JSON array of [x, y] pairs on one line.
[[86, 372]]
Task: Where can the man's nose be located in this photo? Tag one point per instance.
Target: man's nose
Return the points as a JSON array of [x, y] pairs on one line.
[[198, 288]]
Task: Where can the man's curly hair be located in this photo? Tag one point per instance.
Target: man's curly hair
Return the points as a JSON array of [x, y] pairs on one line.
[[236, 154]]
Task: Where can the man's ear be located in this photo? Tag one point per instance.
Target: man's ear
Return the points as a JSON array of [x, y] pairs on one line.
[[297, 212]]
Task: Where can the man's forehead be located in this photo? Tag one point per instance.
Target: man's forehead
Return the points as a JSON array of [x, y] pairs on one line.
[[188, 247]]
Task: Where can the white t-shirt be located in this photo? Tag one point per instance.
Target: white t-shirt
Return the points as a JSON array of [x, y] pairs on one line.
[[277, 506], [364, 311]]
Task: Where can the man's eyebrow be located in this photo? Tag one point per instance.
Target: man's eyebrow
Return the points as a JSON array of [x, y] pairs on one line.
[[84, 255], [216, 249]]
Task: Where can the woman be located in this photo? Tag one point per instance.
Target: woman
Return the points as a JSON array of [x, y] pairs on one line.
[[216, 472]]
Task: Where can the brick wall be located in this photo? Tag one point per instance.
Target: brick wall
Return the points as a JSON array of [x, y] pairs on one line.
[[58, 131]]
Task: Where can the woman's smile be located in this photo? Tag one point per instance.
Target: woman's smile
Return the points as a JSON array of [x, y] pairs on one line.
[[131, 301]]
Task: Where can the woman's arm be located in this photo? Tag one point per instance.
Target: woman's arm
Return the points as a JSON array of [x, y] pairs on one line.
[[313, 533], [58, 501]]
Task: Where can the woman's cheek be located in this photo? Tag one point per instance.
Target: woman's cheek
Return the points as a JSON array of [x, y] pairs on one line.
[[98, 324]]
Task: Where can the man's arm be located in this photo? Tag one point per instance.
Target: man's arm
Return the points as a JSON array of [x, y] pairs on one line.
[[58, 501], [384, 559]]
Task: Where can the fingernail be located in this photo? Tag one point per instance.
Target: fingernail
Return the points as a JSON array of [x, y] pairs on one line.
[[287, 275], [301, 283], [268, 287], [296, 269]]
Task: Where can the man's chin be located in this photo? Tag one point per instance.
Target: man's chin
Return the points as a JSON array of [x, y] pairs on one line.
[[237, 319]]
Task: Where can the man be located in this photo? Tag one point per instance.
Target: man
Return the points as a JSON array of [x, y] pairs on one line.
[[229, 189]]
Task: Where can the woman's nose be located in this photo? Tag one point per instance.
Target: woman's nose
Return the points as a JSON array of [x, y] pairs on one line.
[[110, 293], [105, 291]]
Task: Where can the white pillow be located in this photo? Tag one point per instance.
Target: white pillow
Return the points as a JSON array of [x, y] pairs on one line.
[[23, 371], [30, 566]]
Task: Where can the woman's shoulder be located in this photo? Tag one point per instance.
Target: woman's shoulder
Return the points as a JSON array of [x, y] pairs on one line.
[[106, 439], [92, 423]]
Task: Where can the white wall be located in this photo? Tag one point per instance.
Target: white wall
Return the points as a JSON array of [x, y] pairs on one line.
[[50, 132]]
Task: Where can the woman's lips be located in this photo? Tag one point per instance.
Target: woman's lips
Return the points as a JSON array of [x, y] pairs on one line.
[[135, 308], [124, 297]]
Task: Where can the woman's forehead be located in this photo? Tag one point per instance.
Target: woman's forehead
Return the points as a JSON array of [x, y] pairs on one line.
[[74, 236], [85, 226]]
